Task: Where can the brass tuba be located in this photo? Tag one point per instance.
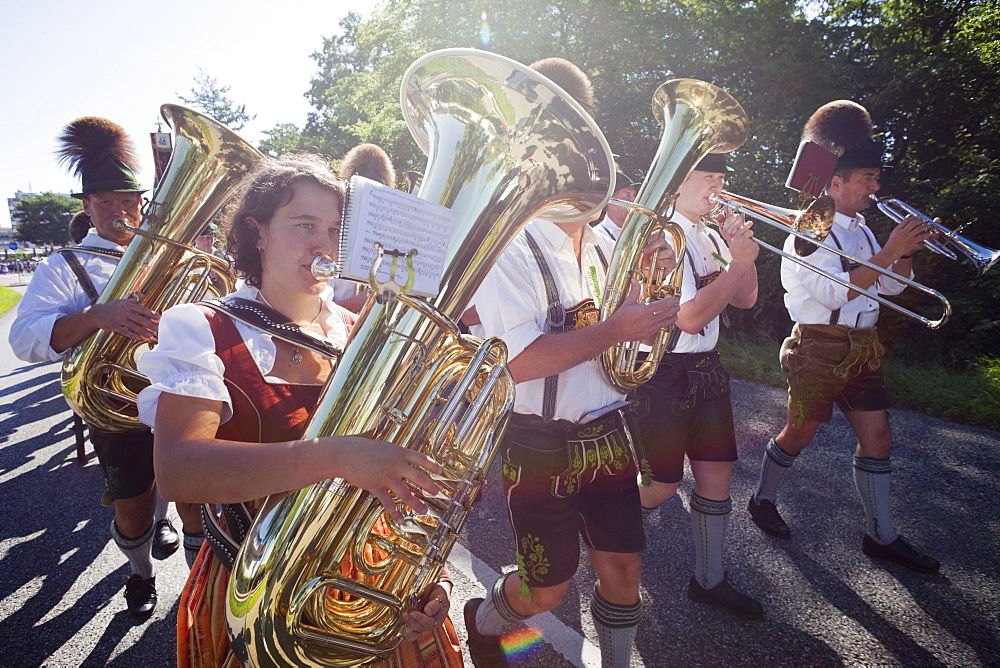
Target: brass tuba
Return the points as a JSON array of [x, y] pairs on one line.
[[697, 118], [504, 145], [99, 377]]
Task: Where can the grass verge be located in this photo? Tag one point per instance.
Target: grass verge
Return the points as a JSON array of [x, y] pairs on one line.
[[970, 396], [8, 299]]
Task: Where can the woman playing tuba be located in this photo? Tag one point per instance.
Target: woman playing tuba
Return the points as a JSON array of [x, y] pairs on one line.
[[228, 399]]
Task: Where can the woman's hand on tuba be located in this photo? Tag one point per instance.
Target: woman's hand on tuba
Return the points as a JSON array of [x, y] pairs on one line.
[[383, 469]]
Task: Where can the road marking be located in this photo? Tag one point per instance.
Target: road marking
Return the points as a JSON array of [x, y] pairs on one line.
[[563, 639]]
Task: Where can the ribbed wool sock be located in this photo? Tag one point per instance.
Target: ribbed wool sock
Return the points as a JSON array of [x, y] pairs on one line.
[[872, 478], [616, 628], [136, 550], [776, 462], [192, 545], [709, 521], [162, 507], [495, 615]]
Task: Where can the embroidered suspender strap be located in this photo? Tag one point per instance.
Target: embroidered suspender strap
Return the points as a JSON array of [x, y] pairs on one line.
[[93, 250], [88, 285], [225, 542], [74, 263], [268, 320], [555, 316], [844, 266]]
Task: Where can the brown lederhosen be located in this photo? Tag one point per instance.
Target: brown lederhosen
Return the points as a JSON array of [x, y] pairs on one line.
[[828, 364]]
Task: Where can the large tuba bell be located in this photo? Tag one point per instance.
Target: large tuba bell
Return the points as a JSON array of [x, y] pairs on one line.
[[697, 118], [504, 145], [99, 377]]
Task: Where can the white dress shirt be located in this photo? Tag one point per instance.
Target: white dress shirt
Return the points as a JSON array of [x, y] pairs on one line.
[[701, 252], [810, 298], [512, 305], [53, 292], [184, 360], [608, 228]]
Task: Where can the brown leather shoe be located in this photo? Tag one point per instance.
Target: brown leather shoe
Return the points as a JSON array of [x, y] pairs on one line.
[[901, 552], [765, 515], [485, 651], [726, 597]]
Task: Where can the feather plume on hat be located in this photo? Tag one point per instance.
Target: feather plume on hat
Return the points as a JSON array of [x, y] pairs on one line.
[[838, 126], [90, 142], [369, 161], [101, 154]]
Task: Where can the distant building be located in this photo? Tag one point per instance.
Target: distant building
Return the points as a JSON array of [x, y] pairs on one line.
[[12, 203]]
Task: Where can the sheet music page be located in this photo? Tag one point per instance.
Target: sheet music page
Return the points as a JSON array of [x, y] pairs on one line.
[[400, 222]]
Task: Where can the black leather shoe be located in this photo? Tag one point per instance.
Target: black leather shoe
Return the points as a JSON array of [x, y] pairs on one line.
[[165, 539], [485, 651], [140, 595], [726, 597], [902, 553], [765, 515]]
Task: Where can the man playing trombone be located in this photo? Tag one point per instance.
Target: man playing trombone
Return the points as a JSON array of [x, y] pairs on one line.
[[833, 355]]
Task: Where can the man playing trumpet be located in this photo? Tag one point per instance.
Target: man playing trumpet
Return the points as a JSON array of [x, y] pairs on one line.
[[833, 355]]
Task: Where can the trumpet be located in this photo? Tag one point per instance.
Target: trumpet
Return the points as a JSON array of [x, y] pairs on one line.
[[788, 220], [897, 211]]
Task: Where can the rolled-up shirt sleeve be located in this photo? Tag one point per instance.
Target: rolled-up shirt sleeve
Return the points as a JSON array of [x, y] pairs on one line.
[[183, 362], [48, 297]]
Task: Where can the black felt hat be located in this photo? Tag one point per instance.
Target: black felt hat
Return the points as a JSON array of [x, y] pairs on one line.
[[623, 180], [101, 154], [845, 127], [714, 162]]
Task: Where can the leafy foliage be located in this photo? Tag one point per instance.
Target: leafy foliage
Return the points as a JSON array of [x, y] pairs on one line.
[[927, 71], [208, 96], [44, 219]]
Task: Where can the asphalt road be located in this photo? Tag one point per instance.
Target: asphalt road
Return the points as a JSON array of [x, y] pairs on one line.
[[826, 604]]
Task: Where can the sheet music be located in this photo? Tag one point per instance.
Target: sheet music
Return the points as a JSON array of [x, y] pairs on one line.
[[400, 222]]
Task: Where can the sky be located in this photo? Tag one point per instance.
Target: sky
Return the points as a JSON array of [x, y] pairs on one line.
[[62, 59]]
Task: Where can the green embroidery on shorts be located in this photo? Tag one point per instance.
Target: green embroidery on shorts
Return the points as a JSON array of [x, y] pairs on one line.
[[507, 471], [800, 415], [111, 479], [531, 563], [646, 479]]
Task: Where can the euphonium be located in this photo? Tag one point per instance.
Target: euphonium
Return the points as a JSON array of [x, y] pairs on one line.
[[99, 377], [697, 118], [504, 145]]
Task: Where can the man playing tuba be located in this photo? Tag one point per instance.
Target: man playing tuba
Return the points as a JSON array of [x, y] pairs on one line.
[[566, 462], [58, 312]]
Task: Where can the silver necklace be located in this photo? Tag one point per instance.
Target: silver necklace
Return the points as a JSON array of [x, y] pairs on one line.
[[296, 353]]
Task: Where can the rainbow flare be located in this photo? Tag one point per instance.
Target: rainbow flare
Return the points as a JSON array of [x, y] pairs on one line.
[[521, 643]]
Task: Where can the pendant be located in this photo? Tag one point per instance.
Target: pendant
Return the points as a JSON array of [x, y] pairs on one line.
[[296, 356]]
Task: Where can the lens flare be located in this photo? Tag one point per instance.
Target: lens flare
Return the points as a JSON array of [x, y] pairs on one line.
[[484, 29], [521, 643]]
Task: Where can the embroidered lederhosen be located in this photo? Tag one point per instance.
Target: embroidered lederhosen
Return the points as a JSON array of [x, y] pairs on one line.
[[262, 413]]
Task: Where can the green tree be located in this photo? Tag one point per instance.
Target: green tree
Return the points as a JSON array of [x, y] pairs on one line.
[[282, 138], [44, 219], [208, 96], [927, 71]]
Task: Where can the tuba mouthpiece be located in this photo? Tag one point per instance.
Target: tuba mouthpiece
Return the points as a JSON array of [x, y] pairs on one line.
[[324, 268]]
